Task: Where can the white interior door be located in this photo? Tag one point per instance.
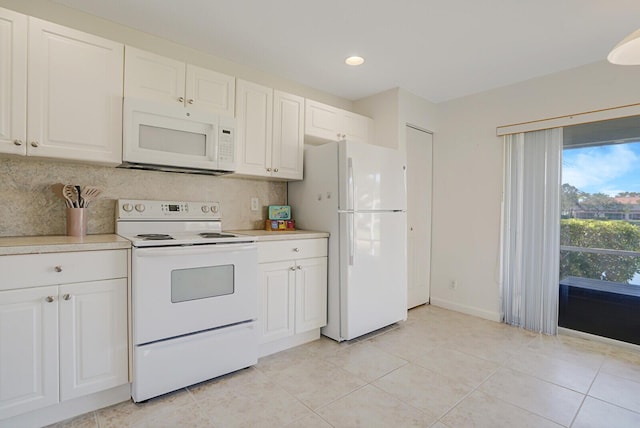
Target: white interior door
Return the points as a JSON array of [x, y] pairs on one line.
[[419, 181]]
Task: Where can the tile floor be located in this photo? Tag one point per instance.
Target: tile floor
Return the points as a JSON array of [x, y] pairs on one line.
[[439, 369]]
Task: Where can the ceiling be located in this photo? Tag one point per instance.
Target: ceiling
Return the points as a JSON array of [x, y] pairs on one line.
[[437, 49]]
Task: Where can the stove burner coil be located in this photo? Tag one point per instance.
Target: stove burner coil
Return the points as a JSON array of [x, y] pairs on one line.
[[215, 235], [154, 236]]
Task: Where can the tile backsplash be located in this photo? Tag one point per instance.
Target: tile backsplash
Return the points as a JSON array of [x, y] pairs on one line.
[[28, 207]]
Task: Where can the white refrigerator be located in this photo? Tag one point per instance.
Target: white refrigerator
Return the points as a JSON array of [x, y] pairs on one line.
[[357, 193]]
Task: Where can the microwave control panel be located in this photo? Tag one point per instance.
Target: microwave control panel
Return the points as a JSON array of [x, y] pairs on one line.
[[226, 144]]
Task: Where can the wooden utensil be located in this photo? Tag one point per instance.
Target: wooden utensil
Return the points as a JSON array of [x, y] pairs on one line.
[[58, 190], [89, 193], [71, 193]]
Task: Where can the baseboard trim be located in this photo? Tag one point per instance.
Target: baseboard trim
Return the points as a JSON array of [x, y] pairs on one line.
[[469, 310]]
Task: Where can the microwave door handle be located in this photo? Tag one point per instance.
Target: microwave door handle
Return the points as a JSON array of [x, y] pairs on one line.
[[191, 251]]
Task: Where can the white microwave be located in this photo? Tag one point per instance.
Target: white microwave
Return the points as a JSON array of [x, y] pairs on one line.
[[178, 139]]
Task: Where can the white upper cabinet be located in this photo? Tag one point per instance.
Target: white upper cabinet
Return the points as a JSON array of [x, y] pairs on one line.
[[13, 82], [288, 136], [254, 114], [158, 78], [270, 133], [325, 123], [74, 102]]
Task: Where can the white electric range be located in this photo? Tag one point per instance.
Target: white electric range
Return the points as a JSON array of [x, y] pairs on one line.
[[193, 293]]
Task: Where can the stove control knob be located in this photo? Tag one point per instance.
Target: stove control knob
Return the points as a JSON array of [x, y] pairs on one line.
[[140, 208], [127, 207], [214, 209], [205, 209]]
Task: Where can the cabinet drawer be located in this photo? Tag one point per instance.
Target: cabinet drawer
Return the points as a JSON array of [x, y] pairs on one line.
[[32, 270], [291, 249]]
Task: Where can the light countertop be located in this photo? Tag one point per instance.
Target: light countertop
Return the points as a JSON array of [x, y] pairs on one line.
[[268, 235], [60, 243]]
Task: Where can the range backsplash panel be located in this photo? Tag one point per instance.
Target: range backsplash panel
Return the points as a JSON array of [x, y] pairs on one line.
[[28, 207]]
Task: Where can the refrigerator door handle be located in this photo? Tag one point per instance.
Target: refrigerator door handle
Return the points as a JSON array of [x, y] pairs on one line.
[[352, 186], [352, 238]]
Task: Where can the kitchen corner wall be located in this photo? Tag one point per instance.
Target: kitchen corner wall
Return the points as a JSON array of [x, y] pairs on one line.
[[30, 208]]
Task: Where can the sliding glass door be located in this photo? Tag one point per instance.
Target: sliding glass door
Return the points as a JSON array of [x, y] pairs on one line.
[[600, 230]]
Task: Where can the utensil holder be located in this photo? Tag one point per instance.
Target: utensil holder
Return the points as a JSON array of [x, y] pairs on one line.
[[76, 221]]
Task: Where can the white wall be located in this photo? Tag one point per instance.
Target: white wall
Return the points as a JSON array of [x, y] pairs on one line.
[[392, 110], [384, 110], [468, 172]]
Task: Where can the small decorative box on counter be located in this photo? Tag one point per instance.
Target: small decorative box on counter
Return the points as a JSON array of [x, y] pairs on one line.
[[280, 225], [279, 212]]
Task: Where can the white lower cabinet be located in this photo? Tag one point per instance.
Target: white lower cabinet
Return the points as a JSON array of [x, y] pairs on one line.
[[93, 337], [28, 350], [292, 292], [60, 342]]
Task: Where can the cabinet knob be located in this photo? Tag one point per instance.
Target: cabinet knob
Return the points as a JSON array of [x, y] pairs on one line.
[[58, 268], [34, 144], [299, 268], [269, 169], [190, 101], [181, 99], [49, 299], [67, 297], [296, 250], [292, 268], [275, 169], [17, 142]]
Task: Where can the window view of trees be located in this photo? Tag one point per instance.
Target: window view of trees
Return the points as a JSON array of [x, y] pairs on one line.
[[600, 235]]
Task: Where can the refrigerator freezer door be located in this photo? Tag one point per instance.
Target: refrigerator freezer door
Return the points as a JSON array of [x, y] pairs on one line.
[[373, 283], [371, 177]]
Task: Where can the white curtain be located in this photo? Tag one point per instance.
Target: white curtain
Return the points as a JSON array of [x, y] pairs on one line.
[[531, 230]]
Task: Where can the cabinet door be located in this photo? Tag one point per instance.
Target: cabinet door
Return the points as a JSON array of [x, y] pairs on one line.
[[28, 350], [74, 104], [277, 300], [321, 121], [13, 82], [288, 136], [210, 91], [355, 127], [254, 112], [153, 77], [311, 294], [93, 337]]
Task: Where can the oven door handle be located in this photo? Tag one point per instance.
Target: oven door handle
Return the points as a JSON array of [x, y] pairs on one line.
[[190, 251]]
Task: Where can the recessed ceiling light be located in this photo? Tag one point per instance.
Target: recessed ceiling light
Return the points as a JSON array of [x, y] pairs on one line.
[[354, 60]]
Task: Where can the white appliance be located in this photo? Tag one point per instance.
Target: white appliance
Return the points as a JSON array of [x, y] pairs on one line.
[[173, 138], [193, 295], [357, 192]]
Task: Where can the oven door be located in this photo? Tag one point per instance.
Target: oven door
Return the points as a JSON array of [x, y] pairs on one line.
[[183, 290]]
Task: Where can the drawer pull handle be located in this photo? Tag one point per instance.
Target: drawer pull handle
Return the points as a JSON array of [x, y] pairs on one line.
[[49, 299], [58, 268], [296, 250], [67, 297]]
